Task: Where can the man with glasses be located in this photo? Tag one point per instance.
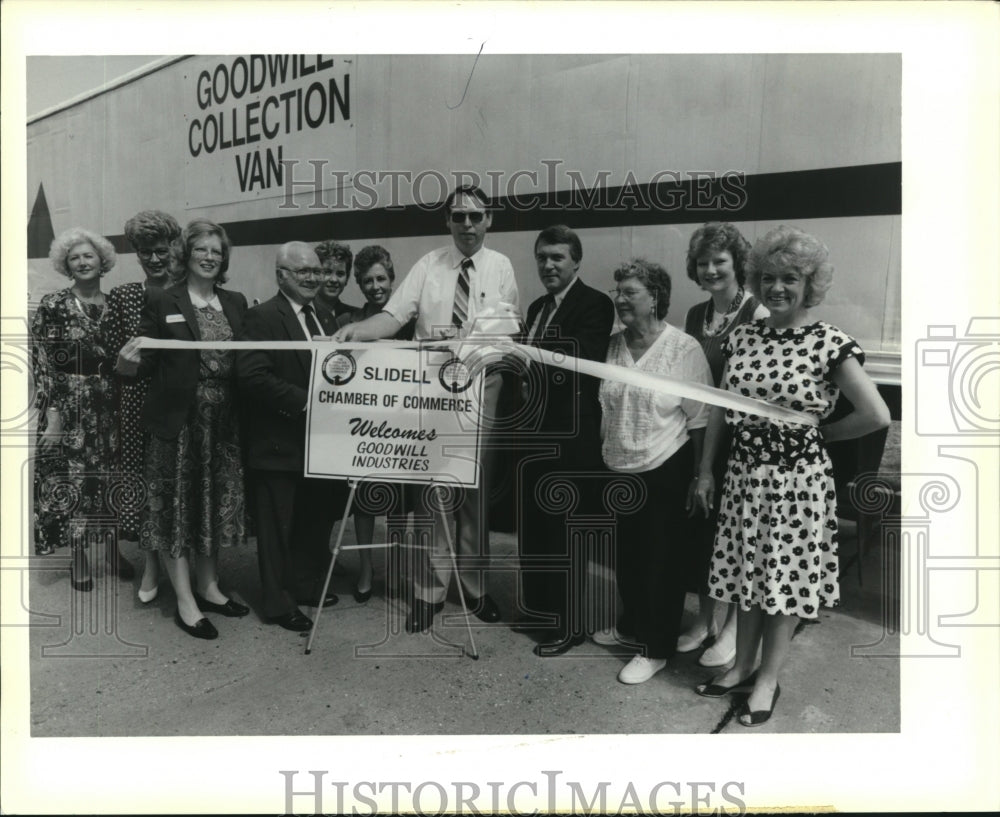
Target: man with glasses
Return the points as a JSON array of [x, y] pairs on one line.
[[293, 514], [445, 292]]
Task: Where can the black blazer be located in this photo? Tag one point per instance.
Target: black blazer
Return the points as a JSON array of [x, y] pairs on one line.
[[274, 386], [580, 327], [174, 375]]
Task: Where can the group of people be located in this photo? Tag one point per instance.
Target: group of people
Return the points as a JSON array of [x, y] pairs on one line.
[[734, 507]]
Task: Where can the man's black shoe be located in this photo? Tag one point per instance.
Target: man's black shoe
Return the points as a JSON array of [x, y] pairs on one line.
[[297, 622], [558, 644], [330, 600], [421, 615], [485, 609]]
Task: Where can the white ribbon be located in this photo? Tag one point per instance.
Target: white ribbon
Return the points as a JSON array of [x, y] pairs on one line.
[[485, 346]]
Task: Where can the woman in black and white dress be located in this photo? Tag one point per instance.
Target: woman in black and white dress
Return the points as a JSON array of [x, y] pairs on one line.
[[776, 541]]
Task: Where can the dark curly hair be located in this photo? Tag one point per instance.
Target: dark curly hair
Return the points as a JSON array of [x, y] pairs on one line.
[[334, 250], [718, 236], [149, 226], [368, 257]]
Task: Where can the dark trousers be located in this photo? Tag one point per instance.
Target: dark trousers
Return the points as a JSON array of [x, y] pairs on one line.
[[558, 478], [294, 516], [650, 547]]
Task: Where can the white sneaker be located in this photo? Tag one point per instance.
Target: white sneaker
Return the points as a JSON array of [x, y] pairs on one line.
[[641, 669], [609, 638], [719, 654], [692, 640]]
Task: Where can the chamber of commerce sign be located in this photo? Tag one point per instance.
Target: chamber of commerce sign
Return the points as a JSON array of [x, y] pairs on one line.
[[400, 415]]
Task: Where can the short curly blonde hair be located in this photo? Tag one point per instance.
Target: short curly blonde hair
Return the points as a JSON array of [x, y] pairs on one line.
[[68, 239], [786, 248]]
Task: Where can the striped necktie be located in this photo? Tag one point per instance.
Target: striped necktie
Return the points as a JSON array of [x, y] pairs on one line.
[[460, 310]]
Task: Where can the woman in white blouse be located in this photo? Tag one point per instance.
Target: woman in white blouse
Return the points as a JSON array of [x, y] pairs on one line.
[[657, 438]]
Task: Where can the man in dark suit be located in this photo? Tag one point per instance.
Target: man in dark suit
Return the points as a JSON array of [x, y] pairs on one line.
[[562, 418], [293, 514]]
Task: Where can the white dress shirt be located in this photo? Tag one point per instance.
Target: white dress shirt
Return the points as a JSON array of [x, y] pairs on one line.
[[428, 291]]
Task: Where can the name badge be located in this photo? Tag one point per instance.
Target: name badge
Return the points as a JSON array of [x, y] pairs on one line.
[[175, 319]]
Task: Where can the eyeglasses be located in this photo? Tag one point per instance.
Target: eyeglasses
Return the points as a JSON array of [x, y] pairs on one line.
[[476, 216], [306, 272], [159, 252], [627, 294], [205, 252]]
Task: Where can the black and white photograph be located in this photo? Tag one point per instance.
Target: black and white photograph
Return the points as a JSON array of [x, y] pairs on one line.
[[462, 420]]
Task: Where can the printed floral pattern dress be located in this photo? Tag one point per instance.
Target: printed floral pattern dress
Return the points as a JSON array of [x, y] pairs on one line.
[[121, 325], [195, 482], [70, 365], [776, 539]]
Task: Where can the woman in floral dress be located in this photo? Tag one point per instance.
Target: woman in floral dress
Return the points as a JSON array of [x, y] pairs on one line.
[[76, 411], [776, 541], [150, 233], [194, 461]]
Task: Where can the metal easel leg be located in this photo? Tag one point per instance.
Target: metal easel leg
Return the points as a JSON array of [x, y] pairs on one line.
[[333, 559]]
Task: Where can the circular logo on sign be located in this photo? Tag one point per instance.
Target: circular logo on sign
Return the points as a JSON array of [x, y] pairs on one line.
[[339, 368], [454, 376]]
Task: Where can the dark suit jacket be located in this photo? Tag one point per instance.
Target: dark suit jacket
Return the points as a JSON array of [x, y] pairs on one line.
[[174, 375], [274, 386], [581, 327]]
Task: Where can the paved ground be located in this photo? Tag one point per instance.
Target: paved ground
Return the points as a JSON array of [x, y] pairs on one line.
[[102, 664]]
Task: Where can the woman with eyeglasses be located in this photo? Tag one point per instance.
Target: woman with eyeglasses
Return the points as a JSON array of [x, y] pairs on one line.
[[194, 460], [655, 439], [151, 234], [375, 276], [716, 261], [74, 396]]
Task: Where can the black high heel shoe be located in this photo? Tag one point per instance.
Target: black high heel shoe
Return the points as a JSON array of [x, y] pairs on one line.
[[711, 690], [362, 597], [759, 716]]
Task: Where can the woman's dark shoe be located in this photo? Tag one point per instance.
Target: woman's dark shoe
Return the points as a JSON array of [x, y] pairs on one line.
[[362, 596], [202, 629], [231, 608], [759, 716], [83, 585], [710, 690]]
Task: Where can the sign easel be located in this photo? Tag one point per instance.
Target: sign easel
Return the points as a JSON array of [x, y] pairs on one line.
[[397, 414]]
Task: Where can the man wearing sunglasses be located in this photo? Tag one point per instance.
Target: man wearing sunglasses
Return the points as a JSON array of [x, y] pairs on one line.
[[445, 292], [293, 514]]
